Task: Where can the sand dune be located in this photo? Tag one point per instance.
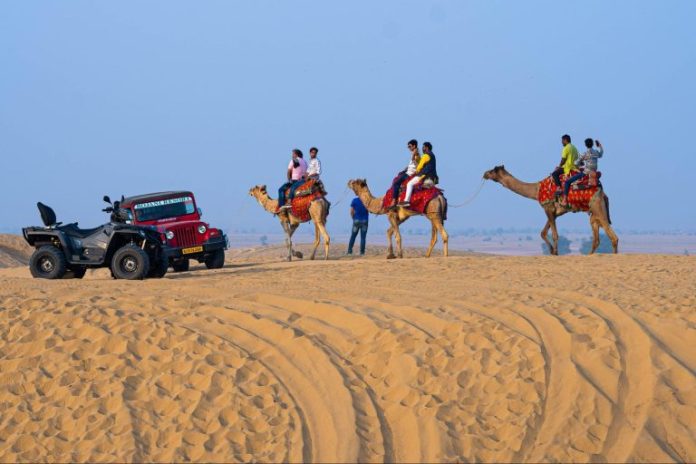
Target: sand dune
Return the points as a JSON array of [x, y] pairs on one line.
[[470, 358], [14, 251]]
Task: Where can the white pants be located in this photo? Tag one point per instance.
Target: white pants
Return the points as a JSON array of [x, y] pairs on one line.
[[409, 187]]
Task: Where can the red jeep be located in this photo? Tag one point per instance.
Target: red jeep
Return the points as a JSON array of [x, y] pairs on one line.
[[176, 215]]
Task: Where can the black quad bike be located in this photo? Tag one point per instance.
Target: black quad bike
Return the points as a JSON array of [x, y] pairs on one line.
[[131, 252]]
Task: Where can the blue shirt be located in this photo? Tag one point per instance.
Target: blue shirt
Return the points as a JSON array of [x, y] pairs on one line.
[[360, 212]]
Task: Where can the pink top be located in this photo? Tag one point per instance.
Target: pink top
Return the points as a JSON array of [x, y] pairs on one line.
[[299, 171]]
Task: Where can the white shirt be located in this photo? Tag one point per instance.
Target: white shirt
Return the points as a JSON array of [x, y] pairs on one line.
[[314, 168], [411, 169]]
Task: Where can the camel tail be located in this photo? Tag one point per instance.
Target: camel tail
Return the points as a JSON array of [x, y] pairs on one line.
[[606, 203], [443, 208]]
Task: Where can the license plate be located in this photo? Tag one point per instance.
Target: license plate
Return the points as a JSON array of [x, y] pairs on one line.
[[188, 251]]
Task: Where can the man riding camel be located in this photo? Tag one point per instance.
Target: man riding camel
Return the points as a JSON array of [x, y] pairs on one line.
[[297, 170], [587, 163], [407, 172], [426, 169], [569, 155], [314, 167]]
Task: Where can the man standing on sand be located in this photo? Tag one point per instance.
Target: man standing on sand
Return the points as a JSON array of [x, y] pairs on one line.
[[360, 217], [569, 156], [297, 169], [314, 168]]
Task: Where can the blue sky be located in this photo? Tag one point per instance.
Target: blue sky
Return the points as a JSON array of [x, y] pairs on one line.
[[132, 97]]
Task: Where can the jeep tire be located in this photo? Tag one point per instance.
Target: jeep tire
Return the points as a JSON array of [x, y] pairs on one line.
[[215, 260], [181, 266], [130, 262], [48, 262], [159, 268]]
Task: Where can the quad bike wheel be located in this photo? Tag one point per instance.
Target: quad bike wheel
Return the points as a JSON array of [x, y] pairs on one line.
[[76, 272], [130, 262], [48, 262], [216, 260]]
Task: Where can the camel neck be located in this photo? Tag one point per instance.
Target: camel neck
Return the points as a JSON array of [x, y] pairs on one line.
[[268, 203], [372, 204], [525, 189]]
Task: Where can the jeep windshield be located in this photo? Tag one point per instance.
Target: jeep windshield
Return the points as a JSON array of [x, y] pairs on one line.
[[162, 209]]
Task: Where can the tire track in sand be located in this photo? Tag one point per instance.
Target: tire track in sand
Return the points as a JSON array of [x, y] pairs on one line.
[[636, 380], [315, 384]]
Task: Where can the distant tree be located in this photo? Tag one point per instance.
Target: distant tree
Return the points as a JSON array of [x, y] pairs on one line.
[[563, 246], [264, 240], [604, 245], [686, 252]]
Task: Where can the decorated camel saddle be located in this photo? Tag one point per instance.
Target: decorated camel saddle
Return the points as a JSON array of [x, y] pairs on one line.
[[422, 194], [305, 194], [580, 195]]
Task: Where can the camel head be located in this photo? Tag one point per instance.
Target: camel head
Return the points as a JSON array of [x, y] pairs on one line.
[[495, 174], [357, 184], [258, 191]]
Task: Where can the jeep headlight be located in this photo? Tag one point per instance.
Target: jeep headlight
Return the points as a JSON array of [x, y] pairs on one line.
[[202, 229], [169, 235]]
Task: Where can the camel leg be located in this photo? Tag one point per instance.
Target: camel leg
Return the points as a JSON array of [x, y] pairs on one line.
[[554, 236], [288, 238], [595, 234], [554, 231], [433, 238], [327, 239], [397, 233], [390, 233], [316, 241], [544, 235], [610, 232], [445, 238], [296, 254]]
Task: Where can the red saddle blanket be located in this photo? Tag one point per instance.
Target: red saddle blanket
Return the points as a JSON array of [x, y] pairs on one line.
[[419, 200], [305, 194], [300, 205], [578, 198]]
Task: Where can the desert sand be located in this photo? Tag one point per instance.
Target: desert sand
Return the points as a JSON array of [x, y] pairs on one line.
[[466, 358]]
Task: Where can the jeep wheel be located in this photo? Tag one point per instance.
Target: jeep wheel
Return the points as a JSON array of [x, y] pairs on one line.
[[48, 262], [158, 270], [216, 260], [130, 262], [76, 272], [181, 266]]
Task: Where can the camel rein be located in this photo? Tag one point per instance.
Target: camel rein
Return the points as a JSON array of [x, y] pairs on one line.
[[471, 197]]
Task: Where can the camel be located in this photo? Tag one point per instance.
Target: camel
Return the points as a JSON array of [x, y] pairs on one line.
[[599, 210], [318, 212], [436, 212]]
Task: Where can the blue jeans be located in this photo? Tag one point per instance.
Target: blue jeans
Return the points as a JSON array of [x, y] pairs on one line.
[[358, 226], [293, 184], [396, 186], [566, 187]]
